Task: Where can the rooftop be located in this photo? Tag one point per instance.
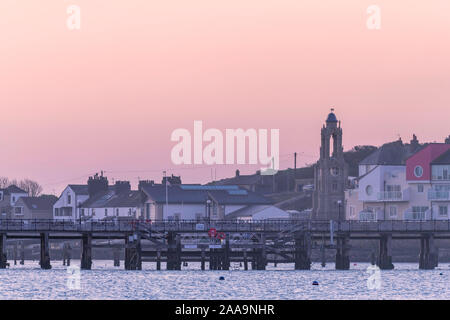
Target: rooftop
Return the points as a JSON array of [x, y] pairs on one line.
[[443, 158]]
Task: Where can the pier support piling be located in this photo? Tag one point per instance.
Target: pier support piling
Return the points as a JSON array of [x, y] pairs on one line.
[[245, 260], [342, 254], [67, 254], [384, 258], [158, 260], [22, 252], [45, 252], [86, 251], [133, 254], [3, 256], [116, 257], [428, 253], [173, 251], [203, 259], [302, 254]]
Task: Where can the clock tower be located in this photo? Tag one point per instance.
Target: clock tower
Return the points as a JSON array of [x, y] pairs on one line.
[[330, 173]]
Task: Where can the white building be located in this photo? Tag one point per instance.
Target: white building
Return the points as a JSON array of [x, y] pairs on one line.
[[196, 202], [68, 205]]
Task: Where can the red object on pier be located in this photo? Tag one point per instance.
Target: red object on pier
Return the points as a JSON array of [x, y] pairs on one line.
[[212, 233]]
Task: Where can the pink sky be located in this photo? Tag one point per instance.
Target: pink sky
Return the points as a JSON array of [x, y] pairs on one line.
[[109, 95]]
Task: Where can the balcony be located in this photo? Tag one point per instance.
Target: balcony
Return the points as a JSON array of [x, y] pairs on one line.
[[393, 196], [438, 195], [417, 215]]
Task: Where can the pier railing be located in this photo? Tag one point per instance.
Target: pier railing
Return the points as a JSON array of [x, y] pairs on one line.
[[317, 226]]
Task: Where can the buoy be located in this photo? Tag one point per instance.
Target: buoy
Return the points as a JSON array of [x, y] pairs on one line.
[[221, 278], [315, 283]]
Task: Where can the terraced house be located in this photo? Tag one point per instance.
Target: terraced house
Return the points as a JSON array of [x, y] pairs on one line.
[[8, 199], [402, 182]]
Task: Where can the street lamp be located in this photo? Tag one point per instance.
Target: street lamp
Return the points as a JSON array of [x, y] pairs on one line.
[[208, 209], [339, 209]]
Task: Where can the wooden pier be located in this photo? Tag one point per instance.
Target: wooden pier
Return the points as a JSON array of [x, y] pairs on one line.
[[244, 242]]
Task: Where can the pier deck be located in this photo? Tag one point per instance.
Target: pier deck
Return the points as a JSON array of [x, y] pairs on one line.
[[255, 242]]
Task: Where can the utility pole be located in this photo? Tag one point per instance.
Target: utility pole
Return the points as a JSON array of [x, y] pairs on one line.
[[167, 194], [295, 168]]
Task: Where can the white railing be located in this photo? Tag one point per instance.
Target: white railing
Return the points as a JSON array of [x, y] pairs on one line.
[[391, 196], [417, 215], [438, 195], [368, 216]]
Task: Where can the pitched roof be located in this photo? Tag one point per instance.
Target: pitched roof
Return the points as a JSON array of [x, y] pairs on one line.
[[241, 180], [195, 194], [238, 197], [81, 189], [13, 189], [112, 199], [38, 203], [392, 153], [175, 194], [442, 159]]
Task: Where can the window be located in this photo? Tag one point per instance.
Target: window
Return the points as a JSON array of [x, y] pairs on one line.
[[392, 212], [18, 210], [106, 212], [443, 211], [440, 172], [117, 212], [418, 213], [177, 216], [393, 188], [1, 196], [13, 199], [369, 190], [129, 211], [198, 216], [56, 212], [81, 212], [418, 171], [352, 211], [69, 198], [420, 188], [334, 186], [334, 171], [93, 212]]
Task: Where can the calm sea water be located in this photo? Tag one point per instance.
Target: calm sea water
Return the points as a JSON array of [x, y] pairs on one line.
[[108, 282]]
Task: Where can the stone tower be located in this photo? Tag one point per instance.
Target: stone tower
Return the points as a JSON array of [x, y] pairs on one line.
[[330, 173]]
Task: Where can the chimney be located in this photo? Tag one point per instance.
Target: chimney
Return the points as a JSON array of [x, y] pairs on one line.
[[238, 173], [172, 180], [143, 183], [122, 186], [414, 143], [97, 184]]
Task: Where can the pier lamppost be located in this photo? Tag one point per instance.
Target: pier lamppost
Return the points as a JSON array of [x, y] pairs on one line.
[[339, 209], [208, 209]]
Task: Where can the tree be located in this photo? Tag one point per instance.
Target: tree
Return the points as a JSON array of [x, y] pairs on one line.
[[4, 182], [33, 188]]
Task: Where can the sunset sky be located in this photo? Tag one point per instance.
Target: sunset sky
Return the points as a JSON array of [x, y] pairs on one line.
[[107, 96]]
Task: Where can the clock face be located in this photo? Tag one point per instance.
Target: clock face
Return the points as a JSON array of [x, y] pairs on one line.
[[334, 171]]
